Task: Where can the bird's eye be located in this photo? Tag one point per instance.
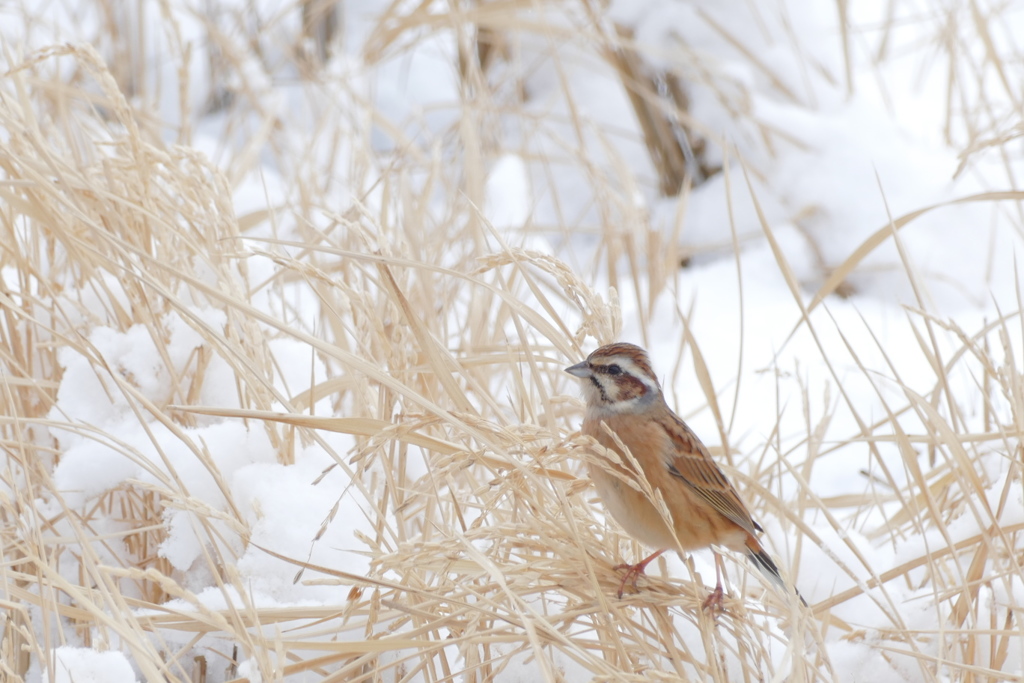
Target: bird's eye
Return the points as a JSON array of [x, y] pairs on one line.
[[614, 370]]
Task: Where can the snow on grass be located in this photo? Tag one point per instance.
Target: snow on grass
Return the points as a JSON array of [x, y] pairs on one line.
[[84, 665], [293, 404]]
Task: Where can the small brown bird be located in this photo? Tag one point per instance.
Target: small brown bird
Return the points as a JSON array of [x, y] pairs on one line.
[[623, 397]]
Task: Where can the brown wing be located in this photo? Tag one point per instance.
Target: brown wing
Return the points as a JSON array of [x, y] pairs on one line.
[[691, 462]]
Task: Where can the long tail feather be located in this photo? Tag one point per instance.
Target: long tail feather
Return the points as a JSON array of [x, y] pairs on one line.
[[763, 561]]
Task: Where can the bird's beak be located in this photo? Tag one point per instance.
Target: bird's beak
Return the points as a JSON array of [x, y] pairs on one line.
[[579, 370]]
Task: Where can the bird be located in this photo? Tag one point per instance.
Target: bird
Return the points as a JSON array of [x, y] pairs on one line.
[[626, 408]]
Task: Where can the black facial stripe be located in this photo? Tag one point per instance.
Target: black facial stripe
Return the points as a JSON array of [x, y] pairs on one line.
[[600, 387]]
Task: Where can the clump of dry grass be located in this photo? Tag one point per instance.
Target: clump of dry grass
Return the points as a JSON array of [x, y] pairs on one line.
[[443, 347]]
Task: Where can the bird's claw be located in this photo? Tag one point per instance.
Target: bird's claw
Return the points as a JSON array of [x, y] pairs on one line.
[[715, 601], [633, 573]]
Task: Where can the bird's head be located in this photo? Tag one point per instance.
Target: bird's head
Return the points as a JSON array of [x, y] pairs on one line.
[[616, 379]]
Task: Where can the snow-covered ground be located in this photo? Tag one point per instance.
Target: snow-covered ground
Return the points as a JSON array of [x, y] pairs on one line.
[[871, 427]]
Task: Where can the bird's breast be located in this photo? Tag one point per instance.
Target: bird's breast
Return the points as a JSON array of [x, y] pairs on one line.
[[694, 522]]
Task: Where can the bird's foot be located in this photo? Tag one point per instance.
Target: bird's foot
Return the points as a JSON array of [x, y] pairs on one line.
[[715, 602], [633, 572]]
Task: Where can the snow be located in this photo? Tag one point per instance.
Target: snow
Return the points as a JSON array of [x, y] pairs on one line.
[[86, 665], [817, 163], [508, 194]]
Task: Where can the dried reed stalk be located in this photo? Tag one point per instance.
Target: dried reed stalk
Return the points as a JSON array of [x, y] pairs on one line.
[[441, 358]]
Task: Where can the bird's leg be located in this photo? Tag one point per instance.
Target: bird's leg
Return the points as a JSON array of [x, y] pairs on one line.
[[714, 601], [633, 571]]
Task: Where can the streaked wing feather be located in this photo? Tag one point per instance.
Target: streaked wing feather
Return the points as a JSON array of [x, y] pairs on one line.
[[691, 462]]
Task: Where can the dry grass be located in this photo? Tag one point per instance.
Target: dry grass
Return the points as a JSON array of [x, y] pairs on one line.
[[442, 347]]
